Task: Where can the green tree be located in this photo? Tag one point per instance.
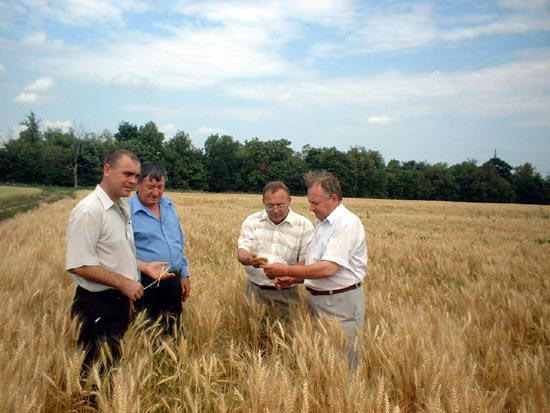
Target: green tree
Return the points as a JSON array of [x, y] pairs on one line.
[[184, 163], [470, 180], [57, 158], [530, 187], [370, 171], [498, 181], [31, 134], [264, 162], [441, 182], [223, 161], [126, 132], [146, 142], [335, 162]]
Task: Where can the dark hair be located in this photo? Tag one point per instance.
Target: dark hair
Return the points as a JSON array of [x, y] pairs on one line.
[[328, 182], [153, 171], [113, 157], [275, 186]]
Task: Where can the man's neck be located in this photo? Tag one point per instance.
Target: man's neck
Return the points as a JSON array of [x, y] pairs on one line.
[[109, 194]]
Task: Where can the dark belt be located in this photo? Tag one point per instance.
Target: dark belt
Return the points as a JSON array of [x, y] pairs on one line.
[[331, 292], [266, 287]]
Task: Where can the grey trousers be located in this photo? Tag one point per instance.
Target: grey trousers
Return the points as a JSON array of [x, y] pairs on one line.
[[349, 309], [281, 300]]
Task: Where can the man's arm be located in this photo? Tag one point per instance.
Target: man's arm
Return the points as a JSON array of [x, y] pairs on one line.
[[185, 287], [322, 269], [248, 258], [130, 288]]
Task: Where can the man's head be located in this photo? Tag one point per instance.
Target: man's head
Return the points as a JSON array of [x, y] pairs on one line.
[[324, 193], [120, 171], [151, 182], [276, 199]]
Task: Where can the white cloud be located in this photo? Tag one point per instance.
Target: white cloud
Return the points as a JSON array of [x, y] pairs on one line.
[[42, 84], [205, 131], [40, 40], [516, 89], [130, 81], [84, 12], [36, 91], [64, 125], [27, 98], [380, 119], [531, 5], [2, 68], [168, 130], [188, 59], [36, 39]]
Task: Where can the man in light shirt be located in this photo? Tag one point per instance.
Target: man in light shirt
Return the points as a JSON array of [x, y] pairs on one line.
[[101, 257], [336, 262], [274, 235]]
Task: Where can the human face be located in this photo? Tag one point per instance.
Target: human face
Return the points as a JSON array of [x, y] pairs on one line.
[[119, 181], [321, 205], [277, 205], [150, 191]]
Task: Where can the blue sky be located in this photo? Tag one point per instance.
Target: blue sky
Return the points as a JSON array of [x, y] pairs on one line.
[[435, 81]]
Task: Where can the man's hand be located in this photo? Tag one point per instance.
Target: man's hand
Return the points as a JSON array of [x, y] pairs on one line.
[[131, 289], [185, 288], [275, 270], [284, 282], [156, 270], [256, 261]]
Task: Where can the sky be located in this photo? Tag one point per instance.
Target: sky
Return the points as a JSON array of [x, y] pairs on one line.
[[434, 81]]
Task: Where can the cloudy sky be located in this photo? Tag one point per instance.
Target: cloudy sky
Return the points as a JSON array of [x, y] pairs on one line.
[[435, 81]]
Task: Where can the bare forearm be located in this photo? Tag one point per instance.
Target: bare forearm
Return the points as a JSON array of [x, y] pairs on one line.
[[99, 275], [130, 288], [322, 269], [243, 256], [249, 258]]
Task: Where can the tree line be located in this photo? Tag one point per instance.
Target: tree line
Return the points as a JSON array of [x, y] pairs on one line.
[[56, 157]]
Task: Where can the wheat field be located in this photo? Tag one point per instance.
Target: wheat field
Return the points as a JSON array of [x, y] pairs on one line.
[[458, 313]]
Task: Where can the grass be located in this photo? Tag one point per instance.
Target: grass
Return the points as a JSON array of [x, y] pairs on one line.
[[15, 200], [457, 319]]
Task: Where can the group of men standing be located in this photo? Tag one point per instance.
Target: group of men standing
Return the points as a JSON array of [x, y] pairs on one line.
[[116, 250]]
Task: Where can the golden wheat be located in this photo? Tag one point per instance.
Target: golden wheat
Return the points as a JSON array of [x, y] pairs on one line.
[[458, 303]]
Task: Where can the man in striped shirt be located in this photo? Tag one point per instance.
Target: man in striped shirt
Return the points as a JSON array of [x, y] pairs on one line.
[[275, 234]]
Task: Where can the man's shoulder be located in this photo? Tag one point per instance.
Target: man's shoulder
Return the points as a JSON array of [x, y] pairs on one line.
[[89, 205], [255, 216], [345, 216]]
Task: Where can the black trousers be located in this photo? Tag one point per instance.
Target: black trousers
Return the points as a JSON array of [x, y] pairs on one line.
[[162, 300], [105, 318]]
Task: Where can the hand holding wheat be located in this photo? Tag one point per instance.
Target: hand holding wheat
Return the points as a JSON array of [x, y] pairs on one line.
[[163, 272]]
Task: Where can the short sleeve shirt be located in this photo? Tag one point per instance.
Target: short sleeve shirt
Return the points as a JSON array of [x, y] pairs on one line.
[[285, 242], [340, 238], [159, 239], [99, 233]]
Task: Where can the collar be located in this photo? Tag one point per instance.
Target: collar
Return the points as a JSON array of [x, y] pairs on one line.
[[105, 200], [138, 205], [336, 213]]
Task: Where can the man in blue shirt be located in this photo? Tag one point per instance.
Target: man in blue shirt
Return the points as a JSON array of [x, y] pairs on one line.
[[159, 243]]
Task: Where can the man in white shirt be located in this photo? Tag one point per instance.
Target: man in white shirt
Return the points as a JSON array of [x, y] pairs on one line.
[[336, 262], [101, 257], [273, 235]]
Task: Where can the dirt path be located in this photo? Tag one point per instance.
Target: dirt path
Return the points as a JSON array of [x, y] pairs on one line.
[[49, 197]]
